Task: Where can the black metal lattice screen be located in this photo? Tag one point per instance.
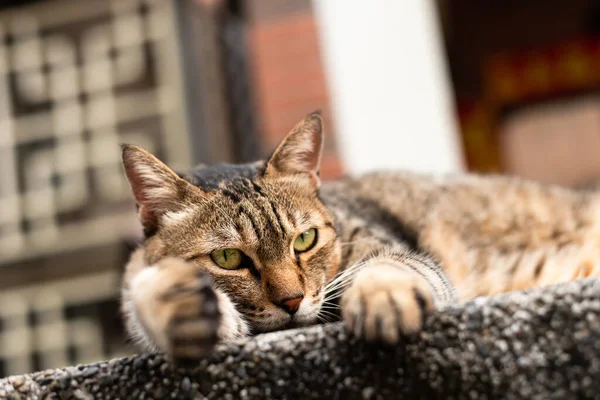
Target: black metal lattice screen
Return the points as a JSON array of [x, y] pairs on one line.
[[77, 78]]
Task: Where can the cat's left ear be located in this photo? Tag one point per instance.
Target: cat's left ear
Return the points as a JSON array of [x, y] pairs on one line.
[[158, 190], [300, 151]]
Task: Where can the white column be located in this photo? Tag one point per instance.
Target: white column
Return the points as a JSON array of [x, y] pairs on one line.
[[389, 90]]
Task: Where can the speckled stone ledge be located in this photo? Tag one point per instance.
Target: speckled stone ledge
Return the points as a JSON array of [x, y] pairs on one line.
[[538, 344]]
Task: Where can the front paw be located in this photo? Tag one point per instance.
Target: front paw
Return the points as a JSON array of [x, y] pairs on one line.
[[386, 301], [193, 324], [179, 307]]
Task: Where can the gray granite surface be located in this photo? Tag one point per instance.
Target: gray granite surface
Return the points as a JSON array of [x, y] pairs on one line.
[[544, 344]]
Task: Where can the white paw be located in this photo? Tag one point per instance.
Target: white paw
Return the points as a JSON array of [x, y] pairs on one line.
[[385, 301], [181, 310]]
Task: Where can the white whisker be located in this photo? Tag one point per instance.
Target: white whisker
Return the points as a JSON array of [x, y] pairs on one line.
[[330, 316], [329, 313], [345, 274], [323, 319], [325, 312], [334, 296], [340, 284], [340, 281], [330, 306]]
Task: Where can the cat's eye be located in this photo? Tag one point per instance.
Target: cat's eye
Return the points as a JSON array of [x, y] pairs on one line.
[[227, 258], [305, 241]]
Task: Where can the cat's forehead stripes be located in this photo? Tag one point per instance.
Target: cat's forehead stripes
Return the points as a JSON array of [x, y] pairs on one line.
[[245, 215], [215, 176], [239, 189], [265, 217]]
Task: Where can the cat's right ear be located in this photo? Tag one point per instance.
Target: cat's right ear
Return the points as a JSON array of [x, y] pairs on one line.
[[300, 151], [156, 188]]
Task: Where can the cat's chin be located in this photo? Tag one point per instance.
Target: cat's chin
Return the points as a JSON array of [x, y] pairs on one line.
[[291, 323], [299, 323]]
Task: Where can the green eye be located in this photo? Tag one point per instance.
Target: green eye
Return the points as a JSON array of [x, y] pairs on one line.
[[305, 240], [227, 258]]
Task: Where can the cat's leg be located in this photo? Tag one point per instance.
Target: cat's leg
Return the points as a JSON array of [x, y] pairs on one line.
[[392, 293], [173, 308]]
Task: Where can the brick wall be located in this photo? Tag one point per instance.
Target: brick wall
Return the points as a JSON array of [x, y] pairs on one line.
[[287, 71]]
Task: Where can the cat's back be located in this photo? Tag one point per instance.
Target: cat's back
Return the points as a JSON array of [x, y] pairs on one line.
[[416, 197], [398, 194], [487, 223]]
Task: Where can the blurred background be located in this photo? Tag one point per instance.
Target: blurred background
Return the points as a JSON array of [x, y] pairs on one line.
[[434, 86]]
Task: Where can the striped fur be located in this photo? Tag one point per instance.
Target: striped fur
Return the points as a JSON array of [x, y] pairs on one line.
[[391, 247]]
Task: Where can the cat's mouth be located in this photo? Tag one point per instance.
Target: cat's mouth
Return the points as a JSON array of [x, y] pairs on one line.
[[287, 322], [308, 314], [269, 326]]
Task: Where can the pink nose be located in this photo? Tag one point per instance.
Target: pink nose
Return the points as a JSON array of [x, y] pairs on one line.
[[292, 305]]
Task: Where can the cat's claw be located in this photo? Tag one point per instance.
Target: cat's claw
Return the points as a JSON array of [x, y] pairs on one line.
[[192, 330], [385, 302]]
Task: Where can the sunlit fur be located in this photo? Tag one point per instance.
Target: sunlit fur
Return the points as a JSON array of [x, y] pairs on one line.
[[391, 247]]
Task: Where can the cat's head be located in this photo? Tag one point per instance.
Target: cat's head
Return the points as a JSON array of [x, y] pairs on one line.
[[260, 230]]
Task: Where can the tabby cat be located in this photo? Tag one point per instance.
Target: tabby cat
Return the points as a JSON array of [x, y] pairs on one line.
[[234, 250]]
